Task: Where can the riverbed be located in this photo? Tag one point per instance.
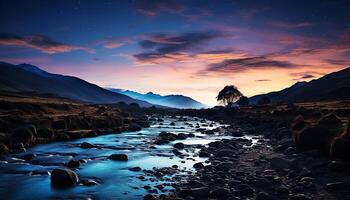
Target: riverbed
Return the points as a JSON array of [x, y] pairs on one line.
[[29, 178]]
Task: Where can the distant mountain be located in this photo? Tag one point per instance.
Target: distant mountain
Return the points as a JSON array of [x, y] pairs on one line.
[[29, 78], [334, 86], [175, 101]]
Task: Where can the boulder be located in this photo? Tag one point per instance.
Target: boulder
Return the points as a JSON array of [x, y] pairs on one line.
[[63, 177], [179, 145], [198, 165], [118, 157], [135, 169], [25, 134], [149, 197], [73, 164], [86, 145]]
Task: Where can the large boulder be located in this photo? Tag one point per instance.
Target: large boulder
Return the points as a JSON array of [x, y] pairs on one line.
[[319, 136], [340, 147], [63, 177]]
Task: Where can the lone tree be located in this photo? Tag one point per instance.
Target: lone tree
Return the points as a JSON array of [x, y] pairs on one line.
[[228, 95], [243, 101]]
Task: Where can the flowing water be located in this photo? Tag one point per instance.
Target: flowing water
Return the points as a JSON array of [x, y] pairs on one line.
[[20, 179]]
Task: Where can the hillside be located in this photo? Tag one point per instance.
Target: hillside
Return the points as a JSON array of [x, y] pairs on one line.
[[29, 78], [175, 101], [333, 86]]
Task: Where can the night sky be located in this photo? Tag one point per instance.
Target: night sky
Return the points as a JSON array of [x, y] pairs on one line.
[[180, 47]]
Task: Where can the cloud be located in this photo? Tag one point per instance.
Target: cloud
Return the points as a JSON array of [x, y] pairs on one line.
[[152, 8], [39, 42], [165, 45], [247, 63], [115, 42], [289, 25], [263, 80]]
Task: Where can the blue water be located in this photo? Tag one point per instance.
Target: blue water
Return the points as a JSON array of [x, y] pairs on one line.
[[23, 180]]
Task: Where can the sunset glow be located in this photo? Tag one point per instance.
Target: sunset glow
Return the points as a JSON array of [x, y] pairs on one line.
[[180, 47]]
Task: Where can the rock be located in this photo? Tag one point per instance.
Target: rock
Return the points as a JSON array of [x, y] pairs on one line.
[[263, 196], [200, 193], [88, 182], [204, 154], [280, 163], [25, 134], [319, 136], [86, 145], [135, 127], [118, 157], [28, 156], [299, 197], [244, 192], [198, 165], [45, 133], [149, 197], [179, 145], [219, 193], [176, 152], [135, 169], [283, 190], [18, 147], [3, 148], [73, 164], [335, 186], [63, 177]]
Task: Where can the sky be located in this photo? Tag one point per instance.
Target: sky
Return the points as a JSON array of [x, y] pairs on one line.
[[193, 48]]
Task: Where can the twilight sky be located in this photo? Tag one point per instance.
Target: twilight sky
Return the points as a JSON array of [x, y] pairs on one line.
[[186, 47]]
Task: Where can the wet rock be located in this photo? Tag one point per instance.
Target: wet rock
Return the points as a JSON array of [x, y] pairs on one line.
[[204, 154], [88, 182], [179, 145], [28, 156], [135, 169], [63, 177], [198, 165], [135, 127], [149, 197], [73, 164], [118, 157], [176, 152], [86, 145], [335, 186]]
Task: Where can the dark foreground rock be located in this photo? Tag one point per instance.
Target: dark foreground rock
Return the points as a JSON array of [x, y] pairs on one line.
[[118, 157], [63, 177]]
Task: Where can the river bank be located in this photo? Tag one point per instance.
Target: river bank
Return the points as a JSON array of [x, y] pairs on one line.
[[28, 119], [278, 166]]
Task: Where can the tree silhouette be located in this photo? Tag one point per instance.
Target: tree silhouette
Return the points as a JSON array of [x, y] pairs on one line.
[[243, 101], [228, 95]]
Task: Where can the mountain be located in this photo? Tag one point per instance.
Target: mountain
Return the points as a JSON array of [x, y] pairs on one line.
[[333, 86], [175, 101], [29, 78]]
